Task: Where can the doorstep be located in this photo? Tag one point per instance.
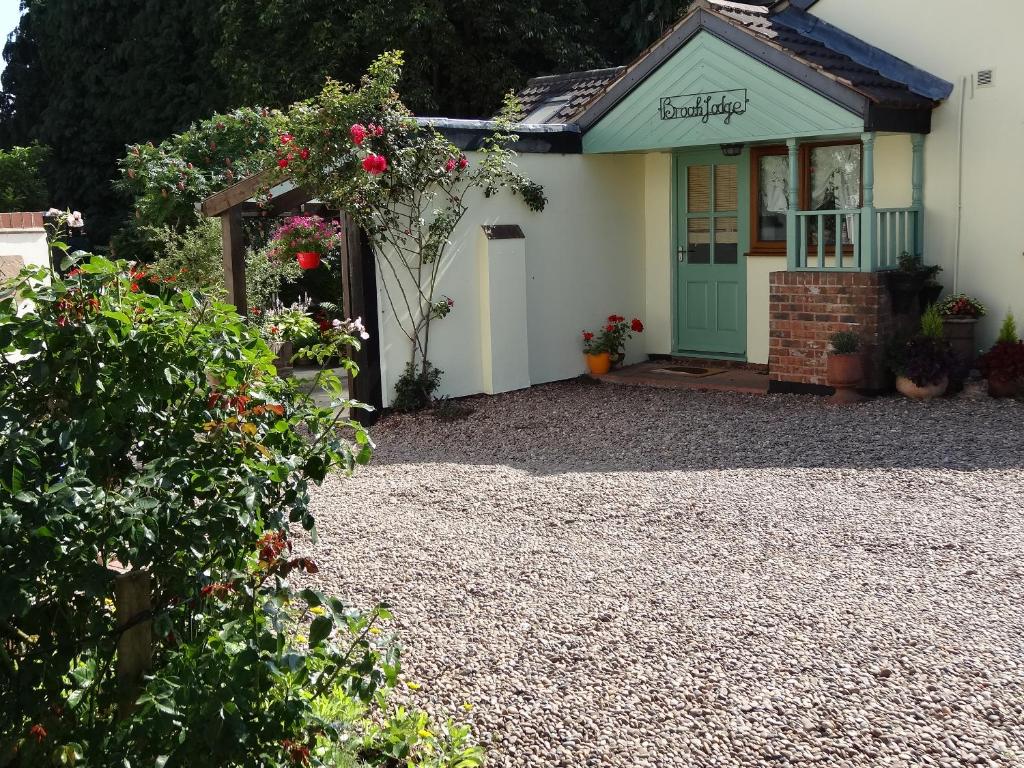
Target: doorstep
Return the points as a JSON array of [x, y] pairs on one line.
[[716, 377]]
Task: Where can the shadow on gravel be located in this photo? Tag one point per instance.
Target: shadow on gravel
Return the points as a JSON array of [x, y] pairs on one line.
[[570, 427]]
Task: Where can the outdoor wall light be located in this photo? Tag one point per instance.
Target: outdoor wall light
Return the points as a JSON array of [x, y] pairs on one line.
[[732, 150]]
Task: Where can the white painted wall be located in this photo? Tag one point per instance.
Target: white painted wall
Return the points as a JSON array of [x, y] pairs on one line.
[[27, 244], [954, 40], [584, 261]]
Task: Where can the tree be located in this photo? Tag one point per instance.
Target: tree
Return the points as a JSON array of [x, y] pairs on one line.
[[22, 187]]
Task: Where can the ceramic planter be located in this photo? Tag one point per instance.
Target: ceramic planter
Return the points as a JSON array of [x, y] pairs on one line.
[[959, 332], [846, 374], [599, 364], [308, 259], [999, 386], [914, 392]]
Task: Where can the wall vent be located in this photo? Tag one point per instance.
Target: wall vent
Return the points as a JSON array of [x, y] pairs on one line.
[[985, 78]]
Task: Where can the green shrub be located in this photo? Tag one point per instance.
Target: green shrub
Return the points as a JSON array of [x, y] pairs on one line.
[[1008, 330], [144, 428], [931, 323], [844, 343], [415, 389], [22, 187]]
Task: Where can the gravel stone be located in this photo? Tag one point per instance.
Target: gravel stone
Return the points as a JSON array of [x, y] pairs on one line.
[[618, 576]]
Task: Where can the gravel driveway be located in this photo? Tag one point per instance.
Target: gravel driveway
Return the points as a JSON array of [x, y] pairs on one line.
[[635, 577]]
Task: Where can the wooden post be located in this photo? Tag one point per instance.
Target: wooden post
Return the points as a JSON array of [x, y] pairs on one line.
[[132, 598], [917, 200], [792, 246], [233, 244], [352, 298], [868, 253]]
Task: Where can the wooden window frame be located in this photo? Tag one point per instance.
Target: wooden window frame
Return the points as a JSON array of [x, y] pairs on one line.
[[778, 247]]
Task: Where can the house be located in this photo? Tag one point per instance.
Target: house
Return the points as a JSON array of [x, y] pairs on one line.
[[746, 187]]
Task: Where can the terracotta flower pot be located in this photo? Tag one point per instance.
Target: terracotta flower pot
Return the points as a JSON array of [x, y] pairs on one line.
[[846, 374], [914, 392], [999, 386], [308, 259], [959, 332], [599, 364]]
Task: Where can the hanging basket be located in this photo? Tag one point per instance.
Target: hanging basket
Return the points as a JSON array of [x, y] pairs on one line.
[[308, 259]]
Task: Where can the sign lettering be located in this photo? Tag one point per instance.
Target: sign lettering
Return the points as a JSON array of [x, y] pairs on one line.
[[704, 106]]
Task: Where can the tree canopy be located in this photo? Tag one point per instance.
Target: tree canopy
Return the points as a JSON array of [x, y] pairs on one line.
[[88, 77]]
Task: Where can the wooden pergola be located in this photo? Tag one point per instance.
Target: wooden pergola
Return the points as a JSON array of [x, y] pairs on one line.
[[358, 277]]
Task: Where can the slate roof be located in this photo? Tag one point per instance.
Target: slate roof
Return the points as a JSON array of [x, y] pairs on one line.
[[883, 79], [576, 88]]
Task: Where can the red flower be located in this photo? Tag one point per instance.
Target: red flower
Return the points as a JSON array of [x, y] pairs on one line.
[[463, 162], [637, 326], [135, 287], [37, 732], [376, 130], [450, 165], [304, 153], [609, 328], [213, 399], [282, 163], [587, 336], [219, 590], [286, 138], [74, 272], [358, 133], [375, 164]]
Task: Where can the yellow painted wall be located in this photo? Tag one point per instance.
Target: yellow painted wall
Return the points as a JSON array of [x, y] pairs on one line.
[[658, 315], [584, 261], [758, 269], [954, 41]]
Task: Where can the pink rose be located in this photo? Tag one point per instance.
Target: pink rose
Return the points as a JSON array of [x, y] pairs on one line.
[[286, 138], [450, 165], [375, 164], [463, 162], [358, 133]]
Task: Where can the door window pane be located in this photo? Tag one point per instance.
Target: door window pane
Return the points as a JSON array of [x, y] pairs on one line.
[[727, 240], [835, 178], [698, 241], [773, 197], [726, 194], [698, 188]]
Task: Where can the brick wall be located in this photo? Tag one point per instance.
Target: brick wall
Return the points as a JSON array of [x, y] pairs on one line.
[[806, 308]]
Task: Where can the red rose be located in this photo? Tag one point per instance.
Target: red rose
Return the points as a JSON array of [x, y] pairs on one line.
[[358, 133], [282, 163], [637, 326], [286, 138], [609, 327], [611, 318], [450, 165], [587, 336], [375, 164], [304, 153], [463, 162]]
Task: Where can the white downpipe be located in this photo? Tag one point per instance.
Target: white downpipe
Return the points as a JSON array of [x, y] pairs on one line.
[[959, 186]]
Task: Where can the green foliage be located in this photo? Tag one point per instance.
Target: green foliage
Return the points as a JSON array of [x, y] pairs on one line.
[[265, 276], [844, 343], [146, 428], [415, 388], [290, 324], [193, 258], [22, 187], [931, 323], [1008, 329]]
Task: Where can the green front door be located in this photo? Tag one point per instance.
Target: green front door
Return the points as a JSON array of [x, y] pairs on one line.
[[711, 216]]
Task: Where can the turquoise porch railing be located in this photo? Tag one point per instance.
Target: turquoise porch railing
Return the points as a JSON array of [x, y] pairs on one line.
[[833, 240]]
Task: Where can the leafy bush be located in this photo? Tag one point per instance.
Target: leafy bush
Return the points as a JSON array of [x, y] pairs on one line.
[[1004, 361], [925, 358], [415, 388], [844, 343], [193, 258], [931, 323], [1008, 330], [144, 430], [22, 186]]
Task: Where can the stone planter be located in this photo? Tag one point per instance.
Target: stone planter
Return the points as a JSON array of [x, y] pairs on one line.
[[914, 392], [1001, 387], [959, 332], [283, 360], [846, 374]]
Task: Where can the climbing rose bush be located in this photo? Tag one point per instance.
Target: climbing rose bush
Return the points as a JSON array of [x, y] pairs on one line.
[[143, 429]]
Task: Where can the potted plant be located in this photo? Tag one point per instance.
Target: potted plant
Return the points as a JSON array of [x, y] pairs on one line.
[[1003, 364], [610, 340], [913, 281], [960, 314], [922, 363], [844, 367], [283, 327], [306, 238]]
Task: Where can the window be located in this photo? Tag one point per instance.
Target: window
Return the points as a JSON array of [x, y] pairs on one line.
[[830, 179]]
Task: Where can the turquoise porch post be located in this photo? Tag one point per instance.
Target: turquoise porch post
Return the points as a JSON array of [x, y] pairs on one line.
[[868, 254], [792, 244], [917, 199]]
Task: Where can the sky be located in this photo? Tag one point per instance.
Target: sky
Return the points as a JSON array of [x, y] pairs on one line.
[[10, 12]]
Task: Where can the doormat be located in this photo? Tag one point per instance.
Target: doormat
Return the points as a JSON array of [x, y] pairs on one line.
[[690, 370]]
